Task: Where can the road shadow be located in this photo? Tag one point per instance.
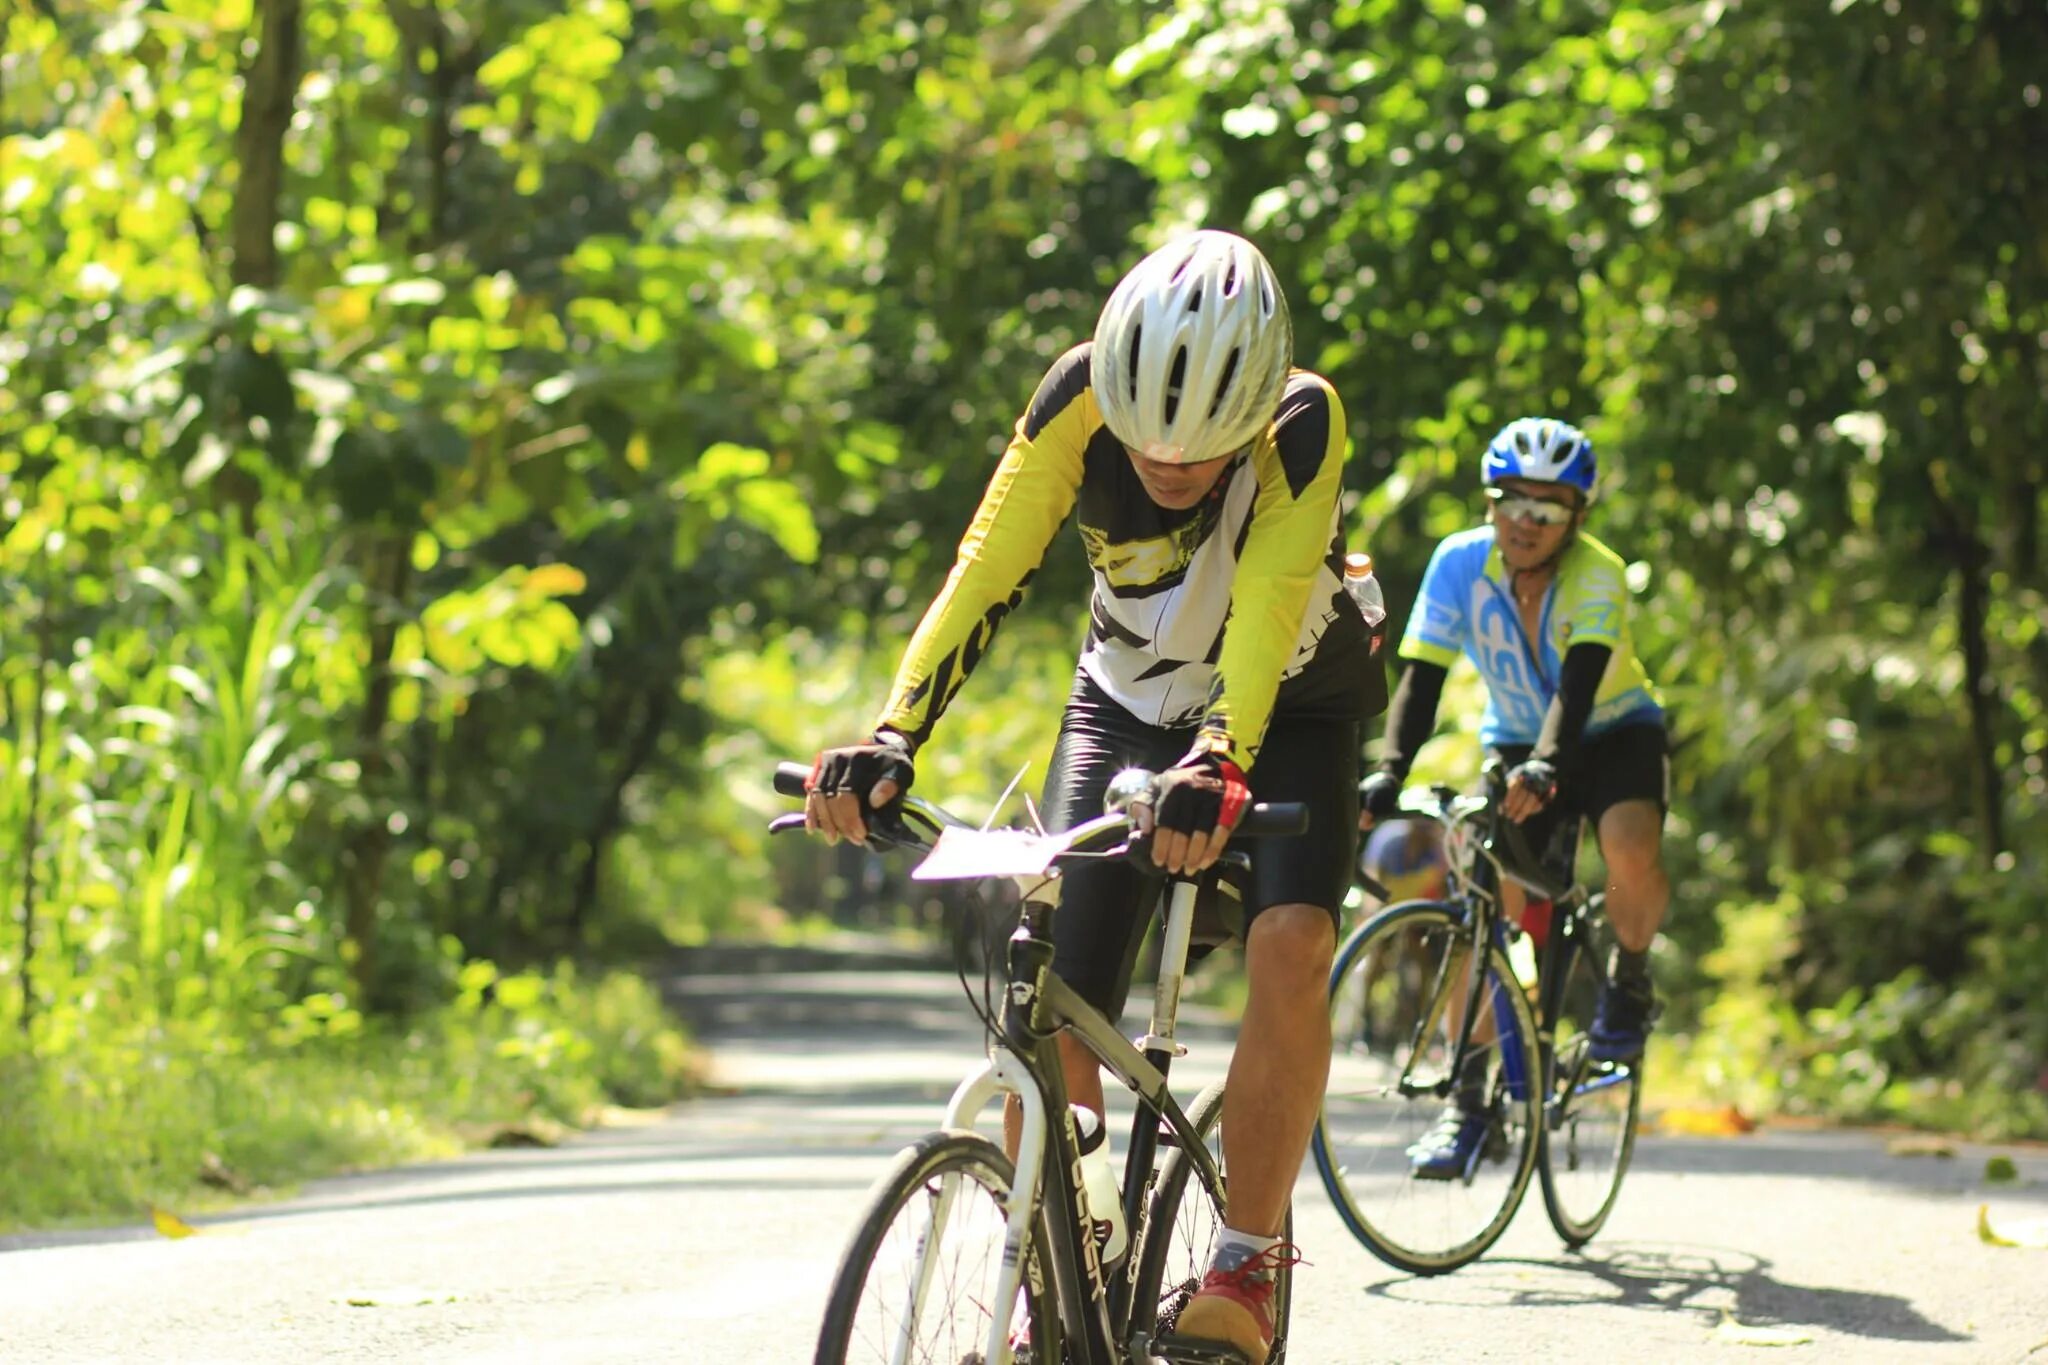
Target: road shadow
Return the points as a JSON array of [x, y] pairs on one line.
[[1702, 1281]]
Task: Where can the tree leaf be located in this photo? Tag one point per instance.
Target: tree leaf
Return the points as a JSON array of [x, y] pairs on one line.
[[398, 1296], [553, 580], [213, 454], [1733, 1333], [170, 1225], [2031, 1233]]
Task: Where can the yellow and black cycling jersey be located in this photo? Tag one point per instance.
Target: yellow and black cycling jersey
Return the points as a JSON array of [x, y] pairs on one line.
[[1213, 616]]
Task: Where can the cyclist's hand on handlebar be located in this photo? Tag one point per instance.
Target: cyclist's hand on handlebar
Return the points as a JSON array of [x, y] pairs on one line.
[[1379, 796], [1532, 785], [849, 784], [1194, 807]]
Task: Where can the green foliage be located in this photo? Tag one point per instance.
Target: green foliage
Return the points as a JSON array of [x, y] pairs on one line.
[[143, 1115], [418, 561]]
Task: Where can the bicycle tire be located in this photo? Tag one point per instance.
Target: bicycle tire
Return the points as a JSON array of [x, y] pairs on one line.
[[880, 1262], [1387, 977], [1177, 1241], [1591, 1109]]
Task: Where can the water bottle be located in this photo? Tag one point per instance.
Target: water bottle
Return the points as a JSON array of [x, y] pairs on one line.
[[1103, 1197], [1364, 587]]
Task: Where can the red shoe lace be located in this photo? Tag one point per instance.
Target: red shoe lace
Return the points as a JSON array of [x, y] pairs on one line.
[[1258, 1267]]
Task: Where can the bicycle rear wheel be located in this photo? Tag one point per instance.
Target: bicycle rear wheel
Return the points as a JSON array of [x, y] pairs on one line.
[[1591, 1109], [1396, 992], [918, 1280], [1181, 1232]]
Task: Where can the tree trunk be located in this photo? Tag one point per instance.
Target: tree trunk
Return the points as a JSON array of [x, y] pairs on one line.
[[646, 740], [1971, 570], [32, 832], [270, 85], [387, 568]]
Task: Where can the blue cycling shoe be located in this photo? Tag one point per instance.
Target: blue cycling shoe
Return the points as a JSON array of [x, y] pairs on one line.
[[1622, 1020], [1447, 1151]]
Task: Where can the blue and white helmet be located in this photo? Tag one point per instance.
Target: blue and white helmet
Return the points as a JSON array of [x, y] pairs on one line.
[[1544, 450]]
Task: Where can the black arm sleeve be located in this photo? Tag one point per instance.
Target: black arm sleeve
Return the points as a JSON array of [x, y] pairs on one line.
[[1564, 724], [1411, 716]]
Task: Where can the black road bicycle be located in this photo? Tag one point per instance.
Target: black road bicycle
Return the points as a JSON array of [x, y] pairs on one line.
[[1425, 993], [965, 1258]]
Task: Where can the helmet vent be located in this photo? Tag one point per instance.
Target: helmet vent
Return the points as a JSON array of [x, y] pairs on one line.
[[1131, 370], [1175, 379], [1223, 384]]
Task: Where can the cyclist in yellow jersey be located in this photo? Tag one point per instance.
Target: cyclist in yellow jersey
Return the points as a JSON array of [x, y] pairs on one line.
[[1204, 471], [1543, 610]]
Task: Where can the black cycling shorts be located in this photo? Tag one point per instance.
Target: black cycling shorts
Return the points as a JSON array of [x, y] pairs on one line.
[[1627, 763], [1103, 907]]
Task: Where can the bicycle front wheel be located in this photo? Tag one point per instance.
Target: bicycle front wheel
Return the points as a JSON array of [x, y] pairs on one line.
[[1181, 1232], [918, 1281], [1399, 989], [1591, 1111]]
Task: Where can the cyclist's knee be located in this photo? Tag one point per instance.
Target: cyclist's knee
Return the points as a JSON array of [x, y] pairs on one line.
[[1633, 862], [1296, 940]]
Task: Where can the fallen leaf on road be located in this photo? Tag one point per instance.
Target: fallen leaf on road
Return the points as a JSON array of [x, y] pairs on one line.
[[1727, 1121], [536, 1133], [169, 1224], [1999, 1170], [1733, 1333], [2031, 1233], [1920, 1144], [400, 1297]]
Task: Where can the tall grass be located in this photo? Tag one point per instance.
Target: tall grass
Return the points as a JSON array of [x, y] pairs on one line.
[[184, 765], [174, 988]]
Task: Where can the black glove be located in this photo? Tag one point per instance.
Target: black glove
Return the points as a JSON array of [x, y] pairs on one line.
[[1201, 794], [1538, 776], [1379, 795], [854, 769]]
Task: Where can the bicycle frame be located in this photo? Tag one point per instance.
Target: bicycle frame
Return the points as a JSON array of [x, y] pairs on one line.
[[1476, 884], [1026, 1063]]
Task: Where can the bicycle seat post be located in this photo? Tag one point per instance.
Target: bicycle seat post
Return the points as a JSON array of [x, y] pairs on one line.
[[1158, 1043]]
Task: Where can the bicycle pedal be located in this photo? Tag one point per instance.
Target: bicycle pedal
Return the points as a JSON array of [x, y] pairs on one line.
[[1187, 1351]]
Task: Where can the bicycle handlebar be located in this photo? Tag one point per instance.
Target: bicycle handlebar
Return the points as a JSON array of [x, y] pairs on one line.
[[790, 779], [1105, 836], [1449, 807]]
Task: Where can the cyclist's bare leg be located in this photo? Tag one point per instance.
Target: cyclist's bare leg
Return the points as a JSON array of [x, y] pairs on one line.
[[1638, 891], [1282, 1060]]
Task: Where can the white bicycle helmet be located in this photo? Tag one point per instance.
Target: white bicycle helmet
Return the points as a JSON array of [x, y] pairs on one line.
[[1192, 350]]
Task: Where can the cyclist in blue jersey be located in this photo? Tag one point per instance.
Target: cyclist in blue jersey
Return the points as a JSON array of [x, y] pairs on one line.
[[1542, 609]]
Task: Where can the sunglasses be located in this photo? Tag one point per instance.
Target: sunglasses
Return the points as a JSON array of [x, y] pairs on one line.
[[1522, 507]]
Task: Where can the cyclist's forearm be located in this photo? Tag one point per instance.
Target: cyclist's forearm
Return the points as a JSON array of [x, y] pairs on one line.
[[1564, 724], [1411, 715]]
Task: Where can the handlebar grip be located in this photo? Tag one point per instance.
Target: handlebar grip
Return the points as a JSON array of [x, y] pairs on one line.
[[790, 779], [1266, 819]]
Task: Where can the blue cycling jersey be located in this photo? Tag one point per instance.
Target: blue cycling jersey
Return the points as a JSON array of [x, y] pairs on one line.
[[1466, 608]]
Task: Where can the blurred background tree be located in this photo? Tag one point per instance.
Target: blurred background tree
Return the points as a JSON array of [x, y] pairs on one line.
[[449, 452]]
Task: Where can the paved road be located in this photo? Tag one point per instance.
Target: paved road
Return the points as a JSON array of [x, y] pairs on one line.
[[711, 1235]]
